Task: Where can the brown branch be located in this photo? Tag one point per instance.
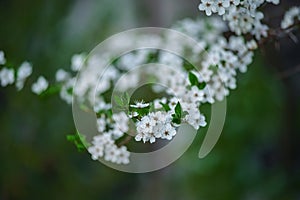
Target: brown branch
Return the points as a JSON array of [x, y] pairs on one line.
[[277, 34]]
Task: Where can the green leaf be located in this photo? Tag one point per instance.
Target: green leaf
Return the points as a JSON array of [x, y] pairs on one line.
[[71, 138], [165, 106], [127, 98], [79, 140], [142, 111], [178, 110], [188, 66], [176, 120], [193, 79], [118, 101], [54, 89], [201, 85]]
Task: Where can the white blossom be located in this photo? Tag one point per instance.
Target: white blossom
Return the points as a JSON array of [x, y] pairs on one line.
[[23, 73], [139, 105], [61, 75], [167, 132], [290, 16], [7, 76], [2, 58], [40, 85], [77, 61], [207, 6]]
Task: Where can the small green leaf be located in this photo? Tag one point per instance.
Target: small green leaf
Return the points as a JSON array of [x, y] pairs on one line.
[[201, 85], [165, 106], [71, 138], [54, 89], [193, 79], [118, 101], [176, 120], [127, 97], [178, 110], [142, 111], [188, 66], [79, 140]]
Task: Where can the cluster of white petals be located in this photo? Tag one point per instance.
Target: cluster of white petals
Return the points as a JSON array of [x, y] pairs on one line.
[[7, 76], [242, 16], [290, 16], [2, 58], [40, 85], [103, 146], [23, 73]]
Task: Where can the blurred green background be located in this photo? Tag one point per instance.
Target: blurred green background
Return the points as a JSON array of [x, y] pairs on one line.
[[256, 158]]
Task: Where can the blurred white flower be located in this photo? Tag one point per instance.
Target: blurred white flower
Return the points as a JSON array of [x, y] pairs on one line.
[[139, 105], [7, 76], [40, 85], [77, 61], [23, 73], [61, 75], [290, 16], [2, 58]]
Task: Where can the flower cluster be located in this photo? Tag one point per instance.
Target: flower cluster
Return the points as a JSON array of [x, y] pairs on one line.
[[290, 16], [153, 126], [242, 15], [103, 146], [8, 76]]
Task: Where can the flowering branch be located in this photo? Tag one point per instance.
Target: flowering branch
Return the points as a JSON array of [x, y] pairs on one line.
[[226, 50]]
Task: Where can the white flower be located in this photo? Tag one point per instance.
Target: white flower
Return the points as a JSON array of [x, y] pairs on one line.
[[195, 119], [260, 30], [77, 61], [101, 124], [252, 45], [131, 60], [66, 91], [61, 75], [167, 132], [170, 59], [23, 73], [234, 2], [145, 125], [274, 1], [139, 137], [139, 105], [101, 105], [7, 76], [207, 6], [96, 151], [122, 156], [116, 133], [103, 139], [111, 153], [40, 85], [289, 17], [195, 95], [133, 114], [121, 122], [103, 146], [220, 6], [2, 58]]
